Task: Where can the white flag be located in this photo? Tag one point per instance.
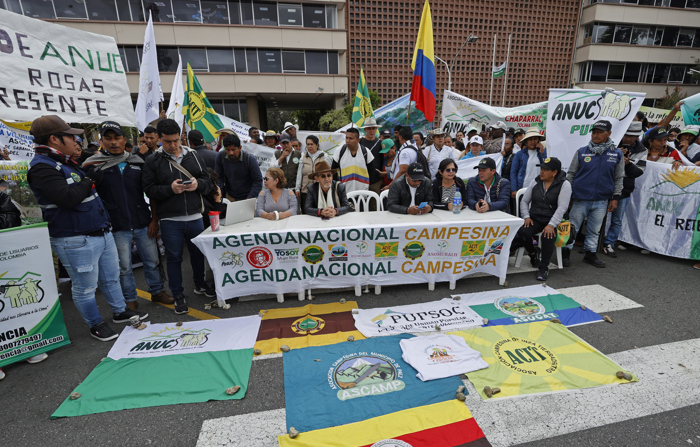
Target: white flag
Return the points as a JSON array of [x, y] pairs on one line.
[[177, 97], [150, 93]]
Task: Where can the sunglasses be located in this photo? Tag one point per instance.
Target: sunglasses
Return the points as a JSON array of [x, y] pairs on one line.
[[267, 178], [451, 170], [325, 175]]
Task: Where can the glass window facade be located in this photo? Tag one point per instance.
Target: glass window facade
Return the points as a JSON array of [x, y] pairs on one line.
[[668, 36], [633, 72]]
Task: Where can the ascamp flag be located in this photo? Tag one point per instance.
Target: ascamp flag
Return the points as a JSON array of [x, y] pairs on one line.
[[150, 93], [538, 357], [499, 71], [311, 325], [199, 113], [528, 304], [423, 65], [445, 424], [166, 364], [362, 109], [327, 386]]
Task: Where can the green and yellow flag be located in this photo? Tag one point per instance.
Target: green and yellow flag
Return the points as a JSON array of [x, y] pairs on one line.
[[197, 109], [363, 106]]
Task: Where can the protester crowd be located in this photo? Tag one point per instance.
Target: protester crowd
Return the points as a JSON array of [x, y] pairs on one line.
[[100, 200]]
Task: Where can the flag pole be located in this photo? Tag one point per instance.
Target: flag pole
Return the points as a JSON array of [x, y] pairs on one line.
[[493, 64], [505, 81]]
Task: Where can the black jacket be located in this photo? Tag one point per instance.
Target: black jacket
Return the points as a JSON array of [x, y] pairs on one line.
[[637, 154], [399, 198], [207, 156], [338, 191], [9, 214], [437, 193], [158, 176]]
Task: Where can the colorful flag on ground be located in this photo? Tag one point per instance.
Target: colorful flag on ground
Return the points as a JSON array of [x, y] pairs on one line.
[[362, 108], [199, 113], [528, 304], [445, 424], [499, 71], [349, 382], [423, 317], [537, 357], [166, 364], [311, 325], [423, 66], [150, 93]]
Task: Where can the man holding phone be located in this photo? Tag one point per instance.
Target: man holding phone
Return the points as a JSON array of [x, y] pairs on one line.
[[411, 193], [488, 191]]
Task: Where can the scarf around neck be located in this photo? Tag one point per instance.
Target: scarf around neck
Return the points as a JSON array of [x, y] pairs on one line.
[[601, 148], [107, 160]]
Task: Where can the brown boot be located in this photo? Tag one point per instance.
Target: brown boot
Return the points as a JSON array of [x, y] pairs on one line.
[[132, 305], [162, 297]]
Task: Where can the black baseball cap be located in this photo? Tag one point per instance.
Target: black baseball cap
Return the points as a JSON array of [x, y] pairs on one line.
[[657, 132], [195, 136], [486, 163], [603, 125], [518, 132], [108, 126], [551, 163], [416, 172], [285, 139], [386, 133]]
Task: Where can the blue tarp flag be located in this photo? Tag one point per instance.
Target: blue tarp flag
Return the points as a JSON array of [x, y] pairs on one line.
[[691, 110], [327, 386]]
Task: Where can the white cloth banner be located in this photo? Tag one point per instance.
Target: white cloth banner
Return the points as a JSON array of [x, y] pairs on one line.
[[447, 313], [158, 340], [52, 69], [465, 168], [663, 214], [19, 143], [461, 113], [150, 92], [240, 128], [440, 356], [177, 97], [571, 114]]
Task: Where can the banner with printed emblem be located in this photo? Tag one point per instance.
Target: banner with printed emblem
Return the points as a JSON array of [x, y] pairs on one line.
[[18, 142], [31, 320], [204, 358], [13, 182], [447, 314], [311, 325], [354, 381]]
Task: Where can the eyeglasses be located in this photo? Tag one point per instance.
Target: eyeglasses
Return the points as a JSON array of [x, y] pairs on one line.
[[266, 178], [325, 175]]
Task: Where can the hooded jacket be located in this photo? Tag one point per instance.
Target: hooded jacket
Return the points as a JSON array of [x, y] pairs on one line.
[[635, 168]]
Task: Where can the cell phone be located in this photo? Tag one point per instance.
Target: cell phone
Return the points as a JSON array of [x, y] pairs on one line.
[[422, 205], [187, 182]]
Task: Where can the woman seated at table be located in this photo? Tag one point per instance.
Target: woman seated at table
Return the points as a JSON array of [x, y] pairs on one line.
[[447, 185], [276, 202], [325, 197]]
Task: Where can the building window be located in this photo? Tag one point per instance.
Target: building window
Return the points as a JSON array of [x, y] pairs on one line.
[[247, 12], [161, 11], [640, 36], [70, 9], [167, 59], [293, 62], [103, 10], [632, 72], [290, 15], [670, 36], [269, 61], [251, 55], [216, 12], [196, 57], [239, 56], [316, 62], [623, 33], [265, 13], [332, 62], [220, 60], [615, 72], [685, 37], [186, 11], [599, 71], [314, 16], [605, 33], [676, 73]]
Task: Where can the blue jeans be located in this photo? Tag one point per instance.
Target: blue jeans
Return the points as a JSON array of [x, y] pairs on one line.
[[148, 248], [616, 221], [89, 261], [174, 235], [595, 211]]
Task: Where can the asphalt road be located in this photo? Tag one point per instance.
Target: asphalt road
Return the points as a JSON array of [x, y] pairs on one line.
[[669, 290]]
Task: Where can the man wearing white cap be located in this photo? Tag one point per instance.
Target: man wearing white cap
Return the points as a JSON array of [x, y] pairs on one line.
[[495, 144], [290, 131], [437, 152], [475, 149]]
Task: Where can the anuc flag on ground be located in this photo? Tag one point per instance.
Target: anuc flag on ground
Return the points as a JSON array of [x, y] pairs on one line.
[[199, 113], [423, 65]]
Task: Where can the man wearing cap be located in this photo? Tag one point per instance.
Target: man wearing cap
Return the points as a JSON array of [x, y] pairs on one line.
[[121, 190], [220, 139], [353, 162], [78, 224], [518, 135], [196, 140], [238, 171], [687, 145], [495, 144], [149, 144], [524, 169], [596, 173], [290, 130], [288, 160], [271, 139], [660, 151], [411, 193], [385, 134], [373, 145], [488, 191], [635, 158], [475, 149], [437, 152], [326, 197]]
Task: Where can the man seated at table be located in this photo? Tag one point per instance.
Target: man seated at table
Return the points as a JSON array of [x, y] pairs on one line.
[[488, 191], [326, 197], [408, 192]]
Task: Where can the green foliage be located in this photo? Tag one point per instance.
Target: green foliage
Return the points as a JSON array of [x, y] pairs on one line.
[[307, 119], [335, 119], [276, 119], [670, 99]]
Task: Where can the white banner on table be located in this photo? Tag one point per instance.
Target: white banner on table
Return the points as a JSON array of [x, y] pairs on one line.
[[448, 314], [572, 112], [663, 214], [18, 142], [52, 69], [191, 337], [465, 168]]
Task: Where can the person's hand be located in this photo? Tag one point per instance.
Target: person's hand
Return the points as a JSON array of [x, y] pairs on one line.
[[612, 206], [528, 222], [676, 164], [217, 193], [425, 210], [269, 216], [192, 186], [386, 187], [163, 115], [5, 154], [627, 160], [178, 187], [482, 206], [143, 148], [678, 105], [513, 194], [381, 173], [153, 229], [413, 210], [298, 194], [450, 206], [548, 232], [540, 148]]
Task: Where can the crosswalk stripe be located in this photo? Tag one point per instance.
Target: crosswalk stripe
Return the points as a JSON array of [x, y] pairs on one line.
[[599, 299]]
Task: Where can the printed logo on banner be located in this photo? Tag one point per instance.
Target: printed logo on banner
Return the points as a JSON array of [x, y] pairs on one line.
[[338, 252], [171, 339], [21, 291], [313, 254], [391, 443], [523, 309], [259, 257], [287, 254], [495, 246], [386, 249], [197, 107], [229, 258], [526, 357], [308, 325], [473, 248], [413, 250], [379, 319], [359, 375], [439, 355], [683, 179], [442, 247]]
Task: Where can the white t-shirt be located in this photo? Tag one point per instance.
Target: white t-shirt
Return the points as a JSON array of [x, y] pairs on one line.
[[413, 193], [435, 156], [404, 157], [531, 169], [440, 356], [354, 172]]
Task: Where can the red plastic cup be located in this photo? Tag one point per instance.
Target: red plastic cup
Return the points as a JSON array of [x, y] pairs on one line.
[[214, 220]]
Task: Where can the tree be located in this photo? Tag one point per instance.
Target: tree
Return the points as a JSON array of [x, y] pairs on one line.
[[333, 116], [333, 120], [307, 119], [670, 99], [276, 119]]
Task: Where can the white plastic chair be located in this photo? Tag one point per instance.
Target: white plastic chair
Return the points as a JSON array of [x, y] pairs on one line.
[[521, 251], [363, 198], [384, 194]]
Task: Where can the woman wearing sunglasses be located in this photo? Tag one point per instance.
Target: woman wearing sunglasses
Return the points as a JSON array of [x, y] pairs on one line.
[[276, 202], [447, 185], [326, 197]]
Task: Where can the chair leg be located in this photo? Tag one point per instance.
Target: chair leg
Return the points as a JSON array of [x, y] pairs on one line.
[[519, 256]]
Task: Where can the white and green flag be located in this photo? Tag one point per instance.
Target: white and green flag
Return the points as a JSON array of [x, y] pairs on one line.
[[500, 70]]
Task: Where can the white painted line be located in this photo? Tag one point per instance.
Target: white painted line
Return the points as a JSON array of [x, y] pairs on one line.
[[247, 430], [599, 299], [267, 356]]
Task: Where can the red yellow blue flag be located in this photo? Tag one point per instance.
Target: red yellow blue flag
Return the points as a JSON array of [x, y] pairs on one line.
[[423, 65]]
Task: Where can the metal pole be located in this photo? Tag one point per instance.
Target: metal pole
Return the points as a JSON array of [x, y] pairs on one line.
[[493, 63], [505, 81], [449, 73], [469, 39]]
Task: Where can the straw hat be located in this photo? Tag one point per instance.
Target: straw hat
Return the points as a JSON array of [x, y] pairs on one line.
[[531, 133]]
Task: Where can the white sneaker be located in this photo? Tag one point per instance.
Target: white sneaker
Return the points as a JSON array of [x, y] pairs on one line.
[[645, 252], [621, 247], [2, 374], [38, 358], [609, 250]]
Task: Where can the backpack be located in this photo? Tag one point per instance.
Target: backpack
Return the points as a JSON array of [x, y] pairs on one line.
[[364, 154], [420, 158]]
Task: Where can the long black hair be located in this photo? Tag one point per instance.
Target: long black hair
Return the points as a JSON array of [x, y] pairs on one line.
[[443, 165]]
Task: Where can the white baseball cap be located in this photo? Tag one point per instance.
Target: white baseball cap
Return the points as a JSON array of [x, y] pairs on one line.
[[476, 139]]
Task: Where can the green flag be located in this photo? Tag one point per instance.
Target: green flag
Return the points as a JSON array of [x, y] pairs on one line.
[[499, 71], [363, 106], [197, 109]]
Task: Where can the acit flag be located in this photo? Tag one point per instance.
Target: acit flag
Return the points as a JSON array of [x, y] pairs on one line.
[[445, 424], [311, 325], [199, 113], [423, 65], [362, 109]]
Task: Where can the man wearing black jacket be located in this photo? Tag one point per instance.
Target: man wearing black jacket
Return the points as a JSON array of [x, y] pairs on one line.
[[176, 179], [409, 191]]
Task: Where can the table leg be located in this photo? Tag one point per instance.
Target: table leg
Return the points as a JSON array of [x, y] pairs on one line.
[[280, 297], [431, 286], [502, 281], [301, 295], [453, 285], [377, 290], [358, 290]]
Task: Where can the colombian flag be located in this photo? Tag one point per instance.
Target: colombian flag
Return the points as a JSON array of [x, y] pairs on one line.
[[445, 424], [423, 65]]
